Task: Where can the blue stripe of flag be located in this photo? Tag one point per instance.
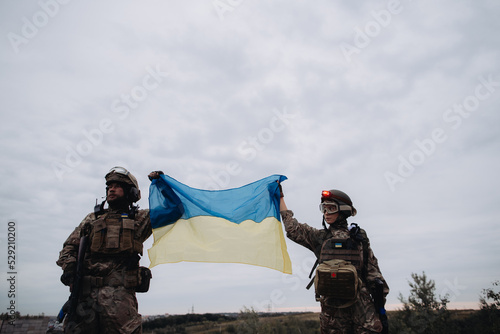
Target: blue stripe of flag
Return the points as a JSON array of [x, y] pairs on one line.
[[170, 200]]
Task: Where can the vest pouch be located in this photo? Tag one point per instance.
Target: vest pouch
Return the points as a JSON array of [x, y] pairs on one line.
[[127, 240], [337, 279], [98, 235], [342, 249], [131, 279], [145, 276], [113, 237]]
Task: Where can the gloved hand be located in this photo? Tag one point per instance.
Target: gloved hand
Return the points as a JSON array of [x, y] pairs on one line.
[[68, 274], [383, 319], [67, 278], [154, 175]]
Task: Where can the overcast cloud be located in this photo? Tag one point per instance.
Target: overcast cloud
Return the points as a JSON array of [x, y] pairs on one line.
[[394, 102]]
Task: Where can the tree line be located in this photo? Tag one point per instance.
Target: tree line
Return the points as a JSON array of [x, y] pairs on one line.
[[423, 312]]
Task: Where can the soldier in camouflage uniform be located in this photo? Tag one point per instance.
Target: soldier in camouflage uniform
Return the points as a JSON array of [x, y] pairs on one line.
[[362, 317], [107, 301]]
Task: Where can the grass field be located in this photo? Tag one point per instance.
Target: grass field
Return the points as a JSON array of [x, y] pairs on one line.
[[251, 322]]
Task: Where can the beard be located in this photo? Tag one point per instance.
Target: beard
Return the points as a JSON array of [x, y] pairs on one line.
[[118, 202]]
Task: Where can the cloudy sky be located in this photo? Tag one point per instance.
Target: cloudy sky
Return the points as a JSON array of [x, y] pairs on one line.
[[394, 102]]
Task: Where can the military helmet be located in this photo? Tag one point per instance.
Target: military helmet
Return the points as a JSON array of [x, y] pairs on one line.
[[123, 176], [340, 199]]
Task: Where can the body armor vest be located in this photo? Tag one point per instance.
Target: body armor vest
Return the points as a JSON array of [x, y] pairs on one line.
[[114, 234], [343, 249]]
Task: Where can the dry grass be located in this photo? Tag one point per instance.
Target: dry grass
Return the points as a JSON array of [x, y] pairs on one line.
[[214, 327]]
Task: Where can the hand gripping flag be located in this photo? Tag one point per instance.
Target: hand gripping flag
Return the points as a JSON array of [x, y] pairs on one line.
[[240, 225]]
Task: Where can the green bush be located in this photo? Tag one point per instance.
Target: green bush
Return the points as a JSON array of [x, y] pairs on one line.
[[422, 313]]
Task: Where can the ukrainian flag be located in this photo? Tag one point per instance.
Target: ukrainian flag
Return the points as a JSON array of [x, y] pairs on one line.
[[240, 225]]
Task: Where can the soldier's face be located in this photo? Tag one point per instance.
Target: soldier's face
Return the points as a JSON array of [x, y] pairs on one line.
[[115, 192], [331, 217]]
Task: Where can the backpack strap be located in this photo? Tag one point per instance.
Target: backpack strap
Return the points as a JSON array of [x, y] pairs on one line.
[[317, 252], [359, 235]]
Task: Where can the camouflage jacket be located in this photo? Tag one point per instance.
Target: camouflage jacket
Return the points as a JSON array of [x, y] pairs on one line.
[[313, 239], [97, 264]]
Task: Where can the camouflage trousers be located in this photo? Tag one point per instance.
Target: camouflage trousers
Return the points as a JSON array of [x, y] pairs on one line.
[[359, 318], [106, 310]]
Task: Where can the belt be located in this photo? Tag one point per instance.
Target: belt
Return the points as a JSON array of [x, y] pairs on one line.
[[127, 278]]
